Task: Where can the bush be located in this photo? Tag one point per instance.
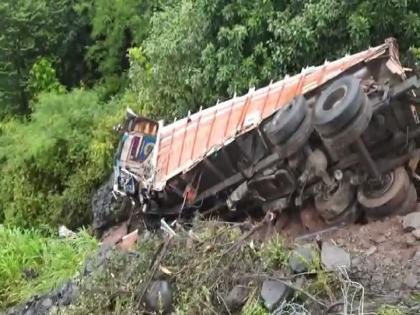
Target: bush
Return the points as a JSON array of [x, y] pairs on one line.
[[32, 264], [52, 162]]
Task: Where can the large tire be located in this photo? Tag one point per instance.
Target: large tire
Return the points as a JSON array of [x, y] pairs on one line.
[[298, 139], [286, 121], [352, 131], [383, 203], [409, 204], [338, 105]]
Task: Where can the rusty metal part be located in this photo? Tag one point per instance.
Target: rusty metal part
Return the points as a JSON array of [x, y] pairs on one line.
[[332, 204], [398, 139], [316, 166], [382, 200]]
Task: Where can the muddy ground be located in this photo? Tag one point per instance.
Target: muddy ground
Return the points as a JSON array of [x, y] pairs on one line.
[[385, 259]]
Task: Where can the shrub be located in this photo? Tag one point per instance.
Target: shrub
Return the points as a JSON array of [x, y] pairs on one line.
[[52, 162]]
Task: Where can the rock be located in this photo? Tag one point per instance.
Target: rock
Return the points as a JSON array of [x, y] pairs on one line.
[[371, 250], [273, 293], [237, 298], [416, 256], [380, 239], [93, 263], [301, 258], [159, 297], [410, 281], [411, 221], [64, 232], [416, 234], [334, 257], [106, 209], [67, 293], [47, 303]]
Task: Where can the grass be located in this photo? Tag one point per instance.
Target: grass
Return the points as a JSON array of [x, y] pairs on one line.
[[274, 253], [31, 263], [390, 310]]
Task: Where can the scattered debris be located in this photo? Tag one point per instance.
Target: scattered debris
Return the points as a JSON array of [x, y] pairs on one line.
[[114, 234], [64, 232], [128, 241], [411, 221], [274, 292], [334, 257], [371, 250]]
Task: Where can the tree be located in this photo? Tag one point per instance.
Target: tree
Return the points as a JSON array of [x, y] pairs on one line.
[[33, 29], [199, 51], [116, 26]]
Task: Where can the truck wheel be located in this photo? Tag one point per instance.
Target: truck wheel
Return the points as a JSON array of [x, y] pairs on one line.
[[286, 120], [387, 198], [338, 105], [298, 139], [352, 131], [409, 204]]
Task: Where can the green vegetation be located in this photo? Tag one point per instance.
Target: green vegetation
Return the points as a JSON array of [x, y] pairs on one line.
[[32, 264], [390, 310], [49, 170], [274, 253], [69, 68]]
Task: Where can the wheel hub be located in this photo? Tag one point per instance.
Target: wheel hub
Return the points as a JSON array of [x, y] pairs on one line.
[[377, 188]]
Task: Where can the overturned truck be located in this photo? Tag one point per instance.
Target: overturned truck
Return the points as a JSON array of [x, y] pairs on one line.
[[343, 136]]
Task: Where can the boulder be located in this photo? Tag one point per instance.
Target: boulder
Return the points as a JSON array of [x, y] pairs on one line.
[[301, 258], [106, 209], [237, 298], [274, 292], [159, 297], [334, 257]]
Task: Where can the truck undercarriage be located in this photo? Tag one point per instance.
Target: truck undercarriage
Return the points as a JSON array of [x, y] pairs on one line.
[[347, 144]]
